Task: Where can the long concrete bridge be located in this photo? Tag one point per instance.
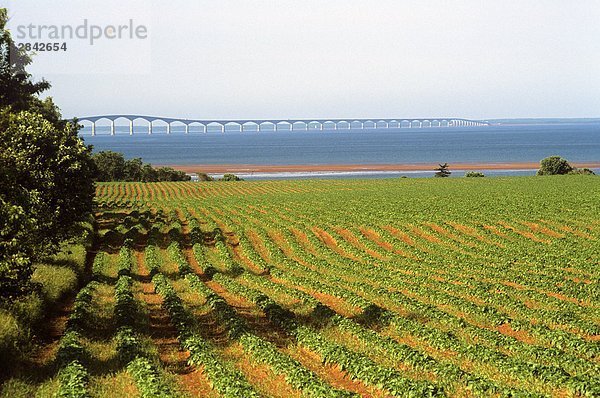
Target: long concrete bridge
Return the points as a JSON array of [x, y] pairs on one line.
[[282, 124]]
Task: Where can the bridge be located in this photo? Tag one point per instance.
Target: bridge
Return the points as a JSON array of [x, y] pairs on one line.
[[282, 124]]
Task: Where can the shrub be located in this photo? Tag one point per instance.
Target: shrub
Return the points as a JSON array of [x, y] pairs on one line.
[[584, 171], [554, 165], [474, 174], [230, 177], [204, 177]]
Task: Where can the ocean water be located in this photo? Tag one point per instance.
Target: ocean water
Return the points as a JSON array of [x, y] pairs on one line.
[[577, 142]]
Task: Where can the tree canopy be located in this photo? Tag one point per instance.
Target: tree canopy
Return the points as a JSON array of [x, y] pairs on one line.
[[46, 171], [112, 166], [554, 165]]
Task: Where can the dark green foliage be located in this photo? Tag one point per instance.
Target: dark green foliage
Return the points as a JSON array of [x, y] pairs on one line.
[[554, 165], [128, 345], [18, 90], [584, 171], [230, 177], [471, 174], [112, 166], [70, 348], [41, 161], [81, 313], [125, 306], [204, 177], [442, 171]]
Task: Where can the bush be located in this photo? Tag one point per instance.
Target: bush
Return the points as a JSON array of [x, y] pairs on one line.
[[584, 171], [474, 174], [204, 177], [554, 165], [230, 177]]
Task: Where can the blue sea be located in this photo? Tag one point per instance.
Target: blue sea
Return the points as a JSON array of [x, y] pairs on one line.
[[577, 142]]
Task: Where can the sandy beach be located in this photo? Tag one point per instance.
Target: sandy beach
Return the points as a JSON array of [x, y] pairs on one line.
[[253, 168]]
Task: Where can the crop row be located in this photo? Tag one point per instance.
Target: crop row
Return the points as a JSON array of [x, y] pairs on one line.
[[386, 279], [71, 355], [357, 366], [145, 373], [478, 352], [263, 351], [228, 382]]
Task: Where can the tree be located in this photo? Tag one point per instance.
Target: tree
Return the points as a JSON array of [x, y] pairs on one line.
[[149, 173], [133, 170], [443, 171], [46, 172], [110, 166], [554, 165], [46, 187], [18, 90]]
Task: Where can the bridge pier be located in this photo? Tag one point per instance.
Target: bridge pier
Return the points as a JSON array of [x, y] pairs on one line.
[[294, 124]]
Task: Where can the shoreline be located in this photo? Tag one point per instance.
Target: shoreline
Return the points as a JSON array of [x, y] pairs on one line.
[[401, 167]]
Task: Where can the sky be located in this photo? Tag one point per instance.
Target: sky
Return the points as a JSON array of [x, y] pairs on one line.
[[246, 59]]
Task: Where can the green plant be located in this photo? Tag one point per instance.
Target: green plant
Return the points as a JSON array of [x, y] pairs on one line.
[[74, 380], [554, 165], [474, 174], [230, 177]]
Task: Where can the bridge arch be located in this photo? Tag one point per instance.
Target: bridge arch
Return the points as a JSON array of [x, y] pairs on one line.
[[267, 123], [282, 123], [213, 124]]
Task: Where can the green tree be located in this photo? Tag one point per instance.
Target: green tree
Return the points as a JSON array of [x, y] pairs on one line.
[[133, 170], [110, 166], [149, 173], [554, 165], [442, 171], [46, 172], [18, 90]]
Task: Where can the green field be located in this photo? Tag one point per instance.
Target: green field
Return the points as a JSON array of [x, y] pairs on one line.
[[398, 287]]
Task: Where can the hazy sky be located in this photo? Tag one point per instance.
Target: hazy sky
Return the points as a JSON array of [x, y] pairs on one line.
[[340, 58]]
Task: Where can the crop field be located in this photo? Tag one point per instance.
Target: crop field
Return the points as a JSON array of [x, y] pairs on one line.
[[483, 287]]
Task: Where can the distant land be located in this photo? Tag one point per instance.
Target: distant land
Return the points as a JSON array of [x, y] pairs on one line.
[[514, 121]]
